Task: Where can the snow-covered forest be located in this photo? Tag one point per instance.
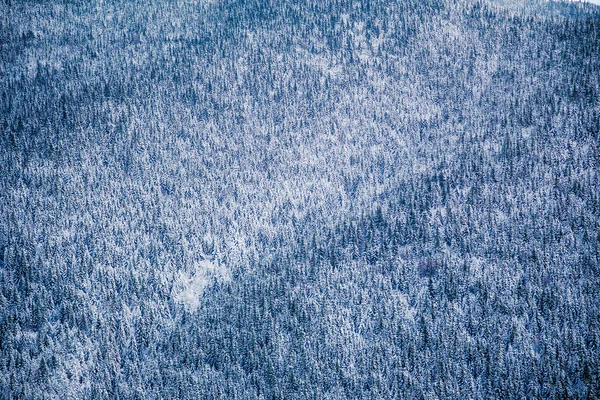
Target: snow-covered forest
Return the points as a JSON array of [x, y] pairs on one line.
[[299, 199]]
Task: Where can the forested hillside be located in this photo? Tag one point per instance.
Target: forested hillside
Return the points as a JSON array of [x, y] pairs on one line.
[[299, 199]]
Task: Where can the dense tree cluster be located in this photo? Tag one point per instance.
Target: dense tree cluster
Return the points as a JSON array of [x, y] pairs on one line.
[[404, 194]]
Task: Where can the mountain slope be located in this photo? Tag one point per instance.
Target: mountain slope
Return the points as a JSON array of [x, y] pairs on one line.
[[246, 199]]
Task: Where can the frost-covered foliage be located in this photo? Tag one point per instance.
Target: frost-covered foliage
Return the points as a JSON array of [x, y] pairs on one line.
[[320, 199]]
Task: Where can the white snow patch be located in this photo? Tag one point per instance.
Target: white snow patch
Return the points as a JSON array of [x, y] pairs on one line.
[[596, 2], [205, 273], [404, 303]]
